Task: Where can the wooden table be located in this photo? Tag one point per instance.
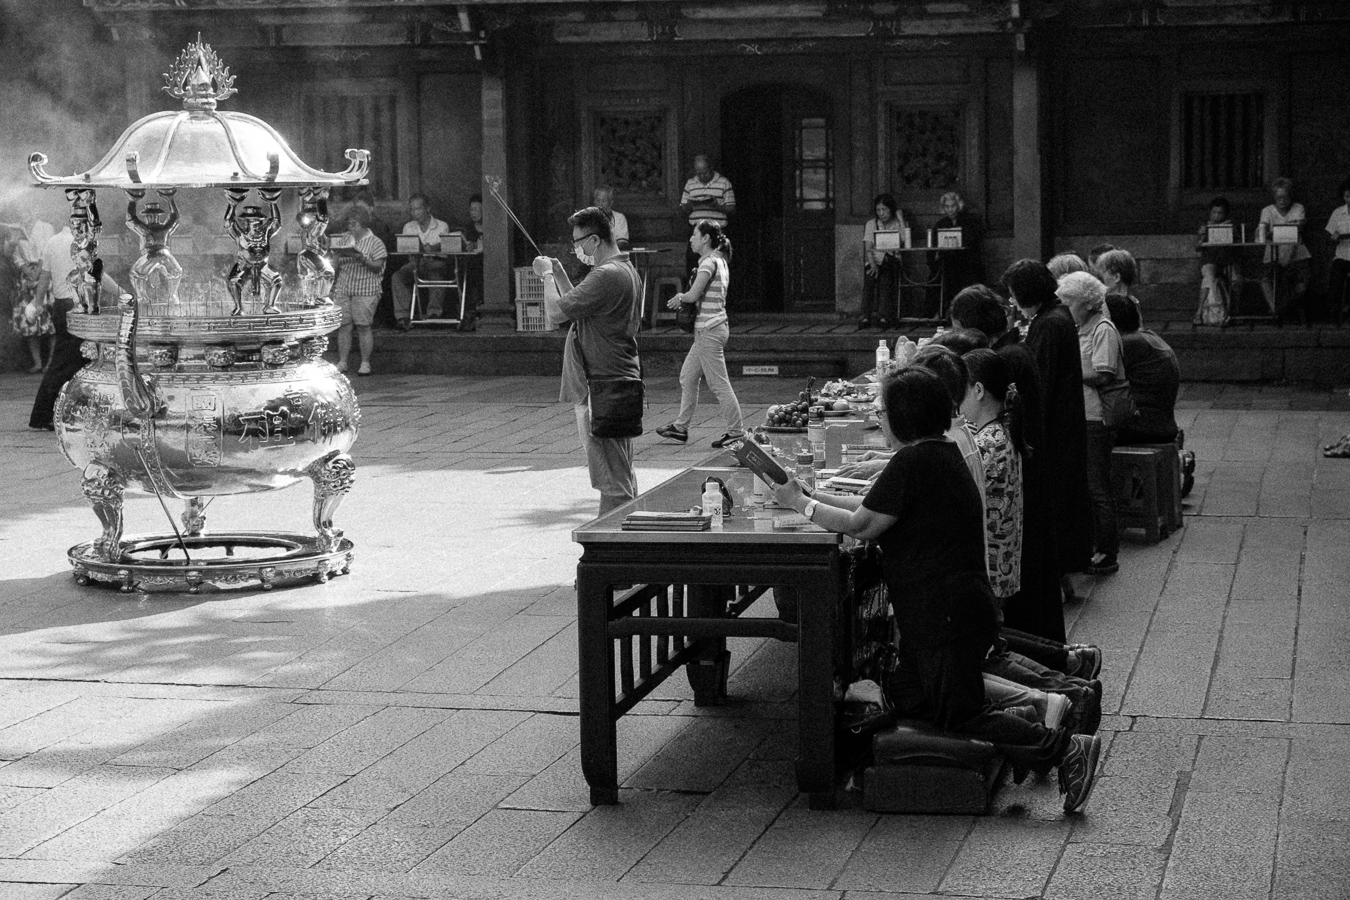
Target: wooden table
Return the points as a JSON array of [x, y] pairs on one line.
[[1232, 314], [659, 601]]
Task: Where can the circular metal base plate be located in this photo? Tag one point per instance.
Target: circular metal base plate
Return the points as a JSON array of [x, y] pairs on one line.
[[240, 560]]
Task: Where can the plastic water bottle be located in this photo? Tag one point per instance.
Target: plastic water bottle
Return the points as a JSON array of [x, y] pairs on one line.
[[712, 503], [883, 357], [806, 471]]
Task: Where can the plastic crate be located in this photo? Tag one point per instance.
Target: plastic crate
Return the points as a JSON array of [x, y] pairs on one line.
[[530, 315]]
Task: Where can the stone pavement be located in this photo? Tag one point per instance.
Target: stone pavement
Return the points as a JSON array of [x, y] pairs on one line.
[[410, 730]]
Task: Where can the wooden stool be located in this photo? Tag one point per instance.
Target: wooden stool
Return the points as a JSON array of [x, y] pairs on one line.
[[667, 286], [1136, 474], [918, 769], [1169, 484]]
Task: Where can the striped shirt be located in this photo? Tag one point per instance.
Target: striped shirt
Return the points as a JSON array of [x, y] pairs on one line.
[[709, 200], [712, 307], [355, 279]]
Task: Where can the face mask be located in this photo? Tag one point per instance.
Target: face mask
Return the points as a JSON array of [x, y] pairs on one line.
[[586, 260]]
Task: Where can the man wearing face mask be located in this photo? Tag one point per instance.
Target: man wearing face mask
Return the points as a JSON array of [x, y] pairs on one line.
[[605, 311]]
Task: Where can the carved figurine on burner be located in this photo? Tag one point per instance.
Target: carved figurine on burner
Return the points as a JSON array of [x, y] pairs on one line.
[[252, 232], [85, 225], [86, 277], [155, 226], [315, 265]]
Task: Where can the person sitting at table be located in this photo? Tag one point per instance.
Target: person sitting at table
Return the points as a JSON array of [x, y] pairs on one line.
[[1338, 227], [881, 267], [1286, 277], [602, 198], [964, 267], [924, 512], [429, 230], [472, 266], [1220, 269]]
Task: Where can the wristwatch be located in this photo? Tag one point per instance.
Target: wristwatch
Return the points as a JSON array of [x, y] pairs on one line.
[[810, 510]]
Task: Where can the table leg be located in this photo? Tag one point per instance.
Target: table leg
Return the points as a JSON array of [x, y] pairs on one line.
[[599, 738], [707, 672], [818, 601]]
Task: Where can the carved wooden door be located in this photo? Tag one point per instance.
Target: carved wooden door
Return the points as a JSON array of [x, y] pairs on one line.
[[778, 152]]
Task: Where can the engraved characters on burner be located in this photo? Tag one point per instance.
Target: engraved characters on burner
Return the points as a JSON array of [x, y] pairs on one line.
[[252, 232]]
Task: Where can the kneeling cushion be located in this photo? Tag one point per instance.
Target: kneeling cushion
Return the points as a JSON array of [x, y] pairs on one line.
[[918, 769]]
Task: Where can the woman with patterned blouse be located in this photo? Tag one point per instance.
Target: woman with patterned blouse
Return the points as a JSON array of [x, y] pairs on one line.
[[993, 409]]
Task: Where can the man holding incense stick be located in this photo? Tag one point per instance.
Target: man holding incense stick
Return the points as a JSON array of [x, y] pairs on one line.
[[602, 375]]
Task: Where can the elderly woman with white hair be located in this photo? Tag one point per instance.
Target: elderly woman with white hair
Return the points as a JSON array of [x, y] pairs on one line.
[[1103, 365], [960, 268]]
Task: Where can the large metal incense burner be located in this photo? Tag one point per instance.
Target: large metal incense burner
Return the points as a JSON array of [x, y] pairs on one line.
[[214, 385]]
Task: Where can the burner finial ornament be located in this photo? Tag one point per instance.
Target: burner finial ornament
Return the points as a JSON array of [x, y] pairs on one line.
[[198, 77]]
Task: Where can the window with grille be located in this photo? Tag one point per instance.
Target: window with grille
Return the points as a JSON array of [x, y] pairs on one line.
[[1222, 141], [926, 148], [630, 151], [814, 164], [368, 119]]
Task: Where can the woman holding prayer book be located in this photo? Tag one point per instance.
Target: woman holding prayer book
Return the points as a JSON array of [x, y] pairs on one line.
[[924, 512]]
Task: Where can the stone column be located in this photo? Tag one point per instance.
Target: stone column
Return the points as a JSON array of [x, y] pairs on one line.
[[1028, 227], [496, 226]]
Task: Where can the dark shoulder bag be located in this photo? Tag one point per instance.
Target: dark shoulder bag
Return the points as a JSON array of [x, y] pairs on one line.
[[616, 403], [687, 314]]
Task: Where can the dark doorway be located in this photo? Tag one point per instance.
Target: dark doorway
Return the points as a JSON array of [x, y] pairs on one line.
[[778, 151]]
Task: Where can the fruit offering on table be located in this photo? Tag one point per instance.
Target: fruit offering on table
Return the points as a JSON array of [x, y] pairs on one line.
[[847, 390], [789, 415]]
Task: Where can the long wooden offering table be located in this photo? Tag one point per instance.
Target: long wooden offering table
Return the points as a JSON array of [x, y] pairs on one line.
[[649, 603]]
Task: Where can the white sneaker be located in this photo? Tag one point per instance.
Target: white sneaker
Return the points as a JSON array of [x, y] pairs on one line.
[[342, 366], [1056, 706], [364, 370]]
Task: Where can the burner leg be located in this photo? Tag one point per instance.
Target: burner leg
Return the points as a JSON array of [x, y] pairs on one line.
[[333, 477], [194, 517], [104, 487]]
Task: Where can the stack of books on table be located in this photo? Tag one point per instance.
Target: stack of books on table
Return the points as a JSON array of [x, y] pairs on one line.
[[666, 521]]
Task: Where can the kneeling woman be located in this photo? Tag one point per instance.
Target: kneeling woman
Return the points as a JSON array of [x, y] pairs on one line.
[[924, 513]]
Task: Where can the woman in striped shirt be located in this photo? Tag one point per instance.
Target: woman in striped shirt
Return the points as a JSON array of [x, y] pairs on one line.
[[707, 358]]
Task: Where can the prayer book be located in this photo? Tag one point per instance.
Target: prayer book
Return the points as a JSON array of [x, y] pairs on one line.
[[757, 460], [666, 521]]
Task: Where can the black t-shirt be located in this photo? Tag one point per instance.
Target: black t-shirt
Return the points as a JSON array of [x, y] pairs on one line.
[[1155, 379], [933, 556]]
